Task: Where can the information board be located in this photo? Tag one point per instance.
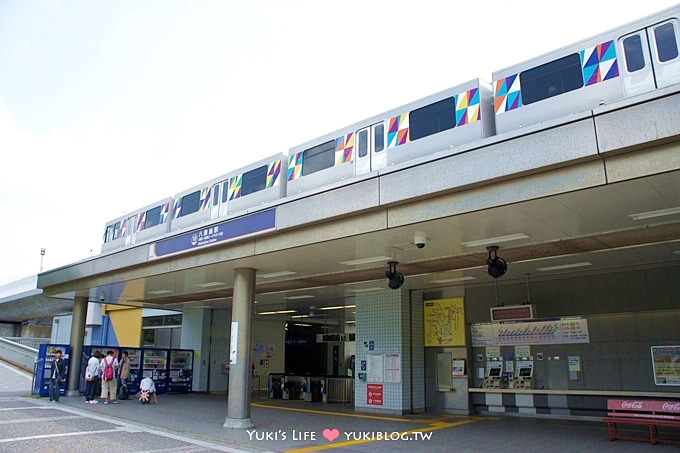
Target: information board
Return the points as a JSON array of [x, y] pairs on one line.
[[445, 322], [666, 363], [534, 332]]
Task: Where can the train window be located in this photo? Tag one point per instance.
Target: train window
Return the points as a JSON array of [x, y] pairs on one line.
[[363, 142], [190, 203], [551, 79], [318, 158], [216, 194], [254, 180], [225, 192], [378, 137], [635, 58], [116, 230], [432, 118], [666, 44], [108, 236], [153, 217]]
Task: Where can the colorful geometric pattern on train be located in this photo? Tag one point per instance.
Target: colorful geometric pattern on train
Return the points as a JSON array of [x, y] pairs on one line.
[[507, 94], [273, 173], [397, 131], [467, 107], [599, 63], [295, 166], [343, 148]]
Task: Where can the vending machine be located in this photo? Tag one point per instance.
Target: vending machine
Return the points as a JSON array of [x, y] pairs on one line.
[[181, 369], [46, 355], [524, 375], [135, 356], [494, 372], [155, 366]]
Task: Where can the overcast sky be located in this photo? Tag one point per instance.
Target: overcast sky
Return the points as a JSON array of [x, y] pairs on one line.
[[106, 107]]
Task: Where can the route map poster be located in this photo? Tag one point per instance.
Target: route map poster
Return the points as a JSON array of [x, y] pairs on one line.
[[445, 322]]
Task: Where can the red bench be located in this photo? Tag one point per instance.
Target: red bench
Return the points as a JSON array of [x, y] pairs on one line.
[[650, 413]]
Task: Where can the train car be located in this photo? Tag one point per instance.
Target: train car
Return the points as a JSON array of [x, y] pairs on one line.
[[237, 192], [147, 222], [629, 60], [456, 116]]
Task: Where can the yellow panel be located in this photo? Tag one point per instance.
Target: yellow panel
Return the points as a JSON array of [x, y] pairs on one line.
[[128, 326], [445, 322]]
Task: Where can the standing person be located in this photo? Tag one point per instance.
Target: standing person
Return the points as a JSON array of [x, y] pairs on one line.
[[108, 367], [91, 378], [57, 375], [123, 372]]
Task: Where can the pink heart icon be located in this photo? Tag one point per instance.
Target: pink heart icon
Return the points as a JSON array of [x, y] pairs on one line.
[[331, 434]]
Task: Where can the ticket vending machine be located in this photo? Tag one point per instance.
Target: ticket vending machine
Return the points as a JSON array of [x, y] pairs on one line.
[[494, 371], [524, 375]]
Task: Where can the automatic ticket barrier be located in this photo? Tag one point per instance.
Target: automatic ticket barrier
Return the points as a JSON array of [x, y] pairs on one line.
[[494, 372], [524, 375]]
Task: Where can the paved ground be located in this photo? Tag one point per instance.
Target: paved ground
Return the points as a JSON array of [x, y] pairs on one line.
[[193, 423]]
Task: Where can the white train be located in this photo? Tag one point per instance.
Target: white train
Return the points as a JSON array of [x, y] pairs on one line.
[[636, 58]]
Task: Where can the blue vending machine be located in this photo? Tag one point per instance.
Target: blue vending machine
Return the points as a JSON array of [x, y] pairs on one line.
[[46, 354], [180, 374], [135, 377], [155, 366]]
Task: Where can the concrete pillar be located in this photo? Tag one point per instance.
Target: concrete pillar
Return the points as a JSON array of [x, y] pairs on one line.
[[238, 403], [77, 336]]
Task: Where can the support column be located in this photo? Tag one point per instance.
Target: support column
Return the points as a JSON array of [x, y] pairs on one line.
[[77, 336], [238, 403]]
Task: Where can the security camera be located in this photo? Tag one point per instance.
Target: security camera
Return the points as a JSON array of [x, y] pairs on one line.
[[419, 239], [396, 279], [102, 297]]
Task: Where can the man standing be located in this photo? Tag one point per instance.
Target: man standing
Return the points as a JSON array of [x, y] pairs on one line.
[[57, 376], [91, 378], [123, 373]]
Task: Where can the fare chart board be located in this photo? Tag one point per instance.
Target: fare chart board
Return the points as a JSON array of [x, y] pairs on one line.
[[532, 332]]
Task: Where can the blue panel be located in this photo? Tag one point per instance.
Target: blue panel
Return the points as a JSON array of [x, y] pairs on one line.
[[232, 229]]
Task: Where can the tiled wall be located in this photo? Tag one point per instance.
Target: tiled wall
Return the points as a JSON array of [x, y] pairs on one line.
[[196, 336], [392, 321]]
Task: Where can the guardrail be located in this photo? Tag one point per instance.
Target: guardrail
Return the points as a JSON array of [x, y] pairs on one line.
[[18, 355], [340, 390], [31, 342]]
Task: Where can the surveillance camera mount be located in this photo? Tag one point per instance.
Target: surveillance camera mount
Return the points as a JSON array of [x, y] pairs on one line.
[[497, 266]]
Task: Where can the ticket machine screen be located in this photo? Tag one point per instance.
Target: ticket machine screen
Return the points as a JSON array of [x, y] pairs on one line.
[[525, 372], [494, 372]]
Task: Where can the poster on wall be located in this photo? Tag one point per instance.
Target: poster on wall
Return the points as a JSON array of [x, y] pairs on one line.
[[534, 332], [375, 368], [392, 368], [666, 364], [445, 322]]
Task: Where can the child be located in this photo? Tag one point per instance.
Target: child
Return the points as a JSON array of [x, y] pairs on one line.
[[147, 388]]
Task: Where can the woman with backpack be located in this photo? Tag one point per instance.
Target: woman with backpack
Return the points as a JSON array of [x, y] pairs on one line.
[[108, 366]]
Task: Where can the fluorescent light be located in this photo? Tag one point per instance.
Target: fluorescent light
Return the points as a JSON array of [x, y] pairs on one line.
[[651, 214], [277, 274], [301, 296], [350, 322], [489, 241], [373, 259], [209, 284], [160, 291], [339, 307], [366, 290], [452, 280], [280, 312], [564, 266]]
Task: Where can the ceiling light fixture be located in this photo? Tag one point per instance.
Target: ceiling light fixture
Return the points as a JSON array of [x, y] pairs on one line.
[[209, 284], [453, 280], [301, 296], [339, 307], [652, 214], [160, 291], [564, 266], [373, 259], [280, 312], [509, 237], [277, 274], [366, 290]]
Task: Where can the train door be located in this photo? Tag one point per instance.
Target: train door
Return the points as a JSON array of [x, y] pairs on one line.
[[650, 58], [215, 204], [370, 149], [132, 230]]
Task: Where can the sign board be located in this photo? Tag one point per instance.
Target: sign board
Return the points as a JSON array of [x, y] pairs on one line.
[[531, 332], [392, 372], [445, 322], [666, 364], [374, 394], [375, 367], [233, 344]]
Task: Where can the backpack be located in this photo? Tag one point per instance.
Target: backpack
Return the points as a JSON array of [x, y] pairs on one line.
[[122, 392], [108, 369]]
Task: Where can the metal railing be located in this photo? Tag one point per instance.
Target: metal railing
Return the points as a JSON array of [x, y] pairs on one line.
[[31, 342], [19, 355], [340, 390]]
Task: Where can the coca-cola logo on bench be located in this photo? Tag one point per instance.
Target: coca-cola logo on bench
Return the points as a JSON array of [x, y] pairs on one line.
[[645, 406]]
